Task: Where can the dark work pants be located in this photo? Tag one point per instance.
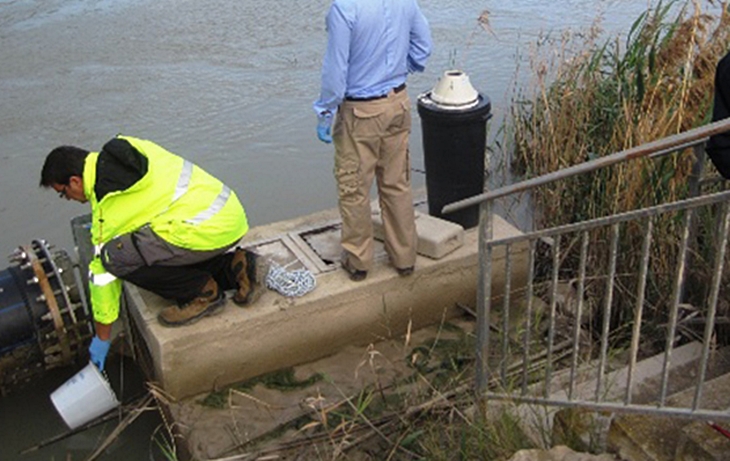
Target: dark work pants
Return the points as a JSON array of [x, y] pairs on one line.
[[146, 260], [184, 283]]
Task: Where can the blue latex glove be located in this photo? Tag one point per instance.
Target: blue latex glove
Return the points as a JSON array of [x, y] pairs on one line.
[[98, 350], [324, 127]]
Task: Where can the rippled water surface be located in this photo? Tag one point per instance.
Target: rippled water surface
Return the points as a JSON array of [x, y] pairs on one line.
[[227, 84]]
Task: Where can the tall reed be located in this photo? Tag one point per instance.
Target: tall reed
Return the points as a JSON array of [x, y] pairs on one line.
[[592, 99], [589, 99]]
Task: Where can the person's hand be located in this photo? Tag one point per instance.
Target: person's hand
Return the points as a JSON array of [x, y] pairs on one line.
[[98, 351], [324, 127]]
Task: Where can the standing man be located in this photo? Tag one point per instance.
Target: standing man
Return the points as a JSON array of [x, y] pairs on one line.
[[718, 147], [372, 45], [160, 222]]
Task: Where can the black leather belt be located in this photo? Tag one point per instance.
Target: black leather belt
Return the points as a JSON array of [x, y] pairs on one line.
[[397, 89]]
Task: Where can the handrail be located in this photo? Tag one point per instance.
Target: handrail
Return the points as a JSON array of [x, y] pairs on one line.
[[670, 143], [695, 139], [686, 204]]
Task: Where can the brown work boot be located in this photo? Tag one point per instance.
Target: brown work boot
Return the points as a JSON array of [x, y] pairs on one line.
[[209, 302], [249, 269]]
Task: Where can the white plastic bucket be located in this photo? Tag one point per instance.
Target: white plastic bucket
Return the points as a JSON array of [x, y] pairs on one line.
[[84, 397]]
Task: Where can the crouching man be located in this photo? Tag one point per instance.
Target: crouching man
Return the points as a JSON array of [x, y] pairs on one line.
[[159, 222]]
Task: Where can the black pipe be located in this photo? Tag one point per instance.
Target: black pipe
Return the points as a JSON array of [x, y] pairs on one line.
[[16, 322], [44, 322]]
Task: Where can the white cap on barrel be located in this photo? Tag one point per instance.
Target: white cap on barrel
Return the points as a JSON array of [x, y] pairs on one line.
[[454, 89]]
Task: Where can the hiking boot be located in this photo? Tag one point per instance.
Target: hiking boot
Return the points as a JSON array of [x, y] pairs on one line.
[[209, 302], [356, 275], [249, 269]]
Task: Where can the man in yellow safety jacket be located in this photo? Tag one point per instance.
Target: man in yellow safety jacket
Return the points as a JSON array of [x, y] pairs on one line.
[[160, 222]]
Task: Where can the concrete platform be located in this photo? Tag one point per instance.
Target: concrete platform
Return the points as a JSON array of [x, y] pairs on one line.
[[279, 332]]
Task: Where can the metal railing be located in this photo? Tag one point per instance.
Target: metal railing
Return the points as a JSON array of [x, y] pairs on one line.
[[521, 377]]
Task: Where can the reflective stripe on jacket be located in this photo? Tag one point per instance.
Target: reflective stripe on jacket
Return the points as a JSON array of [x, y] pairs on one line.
[[183, 204]]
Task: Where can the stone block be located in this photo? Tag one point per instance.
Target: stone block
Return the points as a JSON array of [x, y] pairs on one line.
[[436, 237], [699, 441]]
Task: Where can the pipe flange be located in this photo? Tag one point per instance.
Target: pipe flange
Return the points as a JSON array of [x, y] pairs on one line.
[[50, 300]]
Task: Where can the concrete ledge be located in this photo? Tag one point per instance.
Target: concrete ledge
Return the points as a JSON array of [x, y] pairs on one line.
[[278, 332], [699, 441], [636, 436], [537, 420]]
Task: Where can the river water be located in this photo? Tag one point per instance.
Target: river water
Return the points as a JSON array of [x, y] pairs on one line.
[[226, 84]]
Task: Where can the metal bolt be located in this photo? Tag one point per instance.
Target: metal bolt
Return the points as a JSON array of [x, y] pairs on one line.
[[32, 281], [16, 258]]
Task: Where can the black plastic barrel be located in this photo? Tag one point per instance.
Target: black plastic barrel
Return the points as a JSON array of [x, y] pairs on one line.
[[454, 141]]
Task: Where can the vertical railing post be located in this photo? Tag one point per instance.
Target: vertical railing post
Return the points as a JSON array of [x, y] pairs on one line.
[[676, 300], [528, 325], [505, 313], [639, 308], [484, 300], [579, 311], [712, 307], [555, 279], [607, 309], [698, 167]]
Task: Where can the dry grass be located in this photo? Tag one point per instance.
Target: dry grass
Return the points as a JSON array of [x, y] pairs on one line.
[[590, 99], [605, 98], [591, 102]]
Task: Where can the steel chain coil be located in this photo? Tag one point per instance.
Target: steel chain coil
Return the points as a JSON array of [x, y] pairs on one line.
[[290, 283]]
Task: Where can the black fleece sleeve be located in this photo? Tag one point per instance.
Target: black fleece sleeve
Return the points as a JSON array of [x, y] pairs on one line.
[[119, 166], [718, 147]]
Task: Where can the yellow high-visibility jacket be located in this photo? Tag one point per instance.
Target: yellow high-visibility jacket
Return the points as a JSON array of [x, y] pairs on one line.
[[183, 204]]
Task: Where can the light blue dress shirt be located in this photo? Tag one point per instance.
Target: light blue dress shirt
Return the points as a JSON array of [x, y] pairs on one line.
[[372, 45]]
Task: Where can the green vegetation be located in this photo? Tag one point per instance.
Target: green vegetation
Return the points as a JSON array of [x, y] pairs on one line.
[[282, 380], [604, 98], [427, 413], [590, 99]]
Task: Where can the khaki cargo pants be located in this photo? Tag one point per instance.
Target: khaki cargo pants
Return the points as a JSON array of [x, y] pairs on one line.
[[371, 140]]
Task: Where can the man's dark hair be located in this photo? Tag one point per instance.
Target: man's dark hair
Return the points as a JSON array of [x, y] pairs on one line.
[[62, 163]]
